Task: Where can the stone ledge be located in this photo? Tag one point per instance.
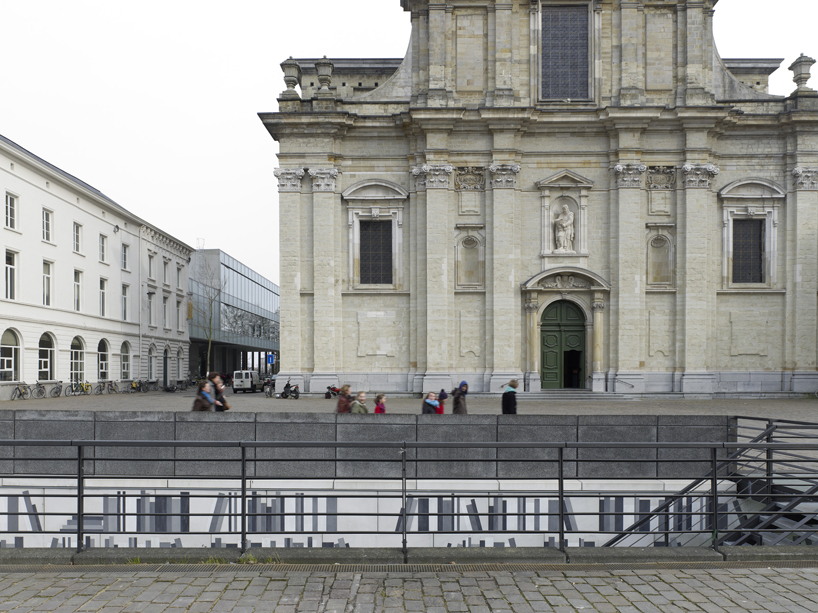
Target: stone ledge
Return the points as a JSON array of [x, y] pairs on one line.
[[769, 553], [641, 555]]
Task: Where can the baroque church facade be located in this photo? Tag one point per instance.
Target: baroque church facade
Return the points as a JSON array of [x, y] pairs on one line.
[[574, 193]]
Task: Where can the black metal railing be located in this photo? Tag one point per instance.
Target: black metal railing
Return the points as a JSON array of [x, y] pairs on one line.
[[753, 493]]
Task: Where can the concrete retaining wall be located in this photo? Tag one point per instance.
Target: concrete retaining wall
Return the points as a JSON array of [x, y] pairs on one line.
[[360, 463]]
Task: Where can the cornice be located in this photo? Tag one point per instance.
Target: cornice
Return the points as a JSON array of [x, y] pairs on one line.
[[159, 238]]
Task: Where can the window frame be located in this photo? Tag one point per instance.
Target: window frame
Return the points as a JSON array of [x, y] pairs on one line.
[[179, 316], [13, 360], [165, 272], [150, 310], [165, 312], [125, 361], [151, 271], [77, 302], [103, 248], [537, 50], [48, 360], [103, 297], [76, 366], [48, 283], [48, 225], [126, 291], [12, 212], [10, 276], [103, 361], [76, 238], [126, 256]]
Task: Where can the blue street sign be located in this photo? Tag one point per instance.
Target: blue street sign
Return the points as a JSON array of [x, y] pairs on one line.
[[271, 359]]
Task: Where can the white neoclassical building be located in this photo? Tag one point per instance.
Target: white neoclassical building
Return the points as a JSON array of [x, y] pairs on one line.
[[90, 291], [580, 193]]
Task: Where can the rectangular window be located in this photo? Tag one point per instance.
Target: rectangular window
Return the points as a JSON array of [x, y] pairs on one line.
[[565, 52], [124, 303], [77, 290], [165, 278], [77, 238], [376, 253], [748, 251], [46, 225], [124, 366], [46, 283], [165, 312], [150, 267], [11, 211], [45, 366], [125, 257], [179, 277], [11, 275], [103, 248], [178, 315], [150, 309], [103, 290]]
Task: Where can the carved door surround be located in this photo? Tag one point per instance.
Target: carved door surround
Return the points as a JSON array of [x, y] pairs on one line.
[[564, 189], [585, 289]]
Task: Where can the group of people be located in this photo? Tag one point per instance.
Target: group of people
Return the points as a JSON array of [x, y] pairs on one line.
[[433, 403], [210, 394]]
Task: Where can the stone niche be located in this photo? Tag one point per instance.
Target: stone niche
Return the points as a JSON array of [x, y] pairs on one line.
[[470, 257], [661, 255], [564, 215]]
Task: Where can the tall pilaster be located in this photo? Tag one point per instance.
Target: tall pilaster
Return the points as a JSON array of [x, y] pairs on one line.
[[504, 286], [695, 279], [532, 376], [803, 207], [439, 290], [327, 329], [290, 232], [437, 41], [503, 93], [629, 273], [632, 32], [598, 377]]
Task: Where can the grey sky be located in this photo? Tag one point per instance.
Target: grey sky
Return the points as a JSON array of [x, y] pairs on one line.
[[154, 102]]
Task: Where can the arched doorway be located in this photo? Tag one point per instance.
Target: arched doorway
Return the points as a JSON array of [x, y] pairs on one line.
[[165, 368], [562, 333]]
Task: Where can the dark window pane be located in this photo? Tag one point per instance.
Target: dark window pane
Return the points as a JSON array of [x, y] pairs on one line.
[[748, 251], [376, 252], [565, 52]]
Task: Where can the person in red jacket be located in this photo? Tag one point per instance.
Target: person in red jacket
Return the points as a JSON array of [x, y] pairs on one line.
[[380, 407], [441, 398]]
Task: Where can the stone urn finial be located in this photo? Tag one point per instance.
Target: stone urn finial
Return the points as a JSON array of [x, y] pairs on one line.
[[324, 68], [291, 71], [801, 72]]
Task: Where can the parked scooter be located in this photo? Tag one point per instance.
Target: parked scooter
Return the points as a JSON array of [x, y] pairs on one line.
[[332, 391], [290, 390]]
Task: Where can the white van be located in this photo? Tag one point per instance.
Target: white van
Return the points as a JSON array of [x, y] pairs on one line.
[[246, 380]]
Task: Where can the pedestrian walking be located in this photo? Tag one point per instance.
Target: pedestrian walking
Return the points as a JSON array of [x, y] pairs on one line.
[[359, 404], [430, 404], [204, 401], [510, 398], [459, 395], [344, 400], [217, 386], [380, 407], [441, 398]]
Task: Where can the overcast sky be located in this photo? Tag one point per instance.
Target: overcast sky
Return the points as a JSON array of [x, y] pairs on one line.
[[155, 102]]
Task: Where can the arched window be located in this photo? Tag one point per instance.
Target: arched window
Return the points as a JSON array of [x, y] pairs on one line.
[[45, 368], [9, 356], [125, 362], [77, 366], [151, 360], [102, 360]]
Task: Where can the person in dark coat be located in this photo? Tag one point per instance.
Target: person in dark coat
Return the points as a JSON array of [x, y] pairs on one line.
[[510, 398], [459, 402], [430, 404], [344, 400]]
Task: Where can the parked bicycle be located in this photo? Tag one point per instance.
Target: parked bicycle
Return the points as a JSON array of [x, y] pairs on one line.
[[38, 391], [112, 388], [99, 388], [170, 388], [56, 390], [76, 388], [22, 391], [154, 386]]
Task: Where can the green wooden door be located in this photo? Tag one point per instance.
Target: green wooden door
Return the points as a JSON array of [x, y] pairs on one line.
[[562, 346]]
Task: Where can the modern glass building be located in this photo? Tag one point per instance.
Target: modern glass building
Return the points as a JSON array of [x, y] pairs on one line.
[[237, 310]]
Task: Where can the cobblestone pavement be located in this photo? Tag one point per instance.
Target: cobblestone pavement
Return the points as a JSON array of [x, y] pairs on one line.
[[627, 591], [802, 409]]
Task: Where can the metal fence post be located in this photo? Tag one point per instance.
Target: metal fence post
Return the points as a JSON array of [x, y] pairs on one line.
[[561, 479], [80, 498], [770, 458], [243, 499], [714, 485], [405, 549]]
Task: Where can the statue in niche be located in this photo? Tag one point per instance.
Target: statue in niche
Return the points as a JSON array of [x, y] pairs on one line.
[[564, 229]]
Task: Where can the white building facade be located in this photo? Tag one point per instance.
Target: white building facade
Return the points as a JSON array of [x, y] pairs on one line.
[[580, 193], [90, 291]]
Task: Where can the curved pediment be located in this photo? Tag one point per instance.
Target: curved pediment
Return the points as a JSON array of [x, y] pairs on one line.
[[753, 188], [565, 278], [375, 189], [567, 179]]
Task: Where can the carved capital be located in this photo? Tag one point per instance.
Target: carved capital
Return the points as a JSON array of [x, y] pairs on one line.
[[470, 179], [420, 177], [323, 179], [532, 305], [629, 175], [662, 177], [599, 306], [806, 178], [436, 176], [699, 175], [289, 179], [504, 175]]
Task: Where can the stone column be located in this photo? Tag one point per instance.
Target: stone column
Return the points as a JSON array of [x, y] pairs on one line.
[[803, 207], [504, 289], [632, 32], [289, 205], [629, 273], [437, 96], [327, 328], [439, 290], [532, 376], [598, 376], [503, 93], [694, 279]]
